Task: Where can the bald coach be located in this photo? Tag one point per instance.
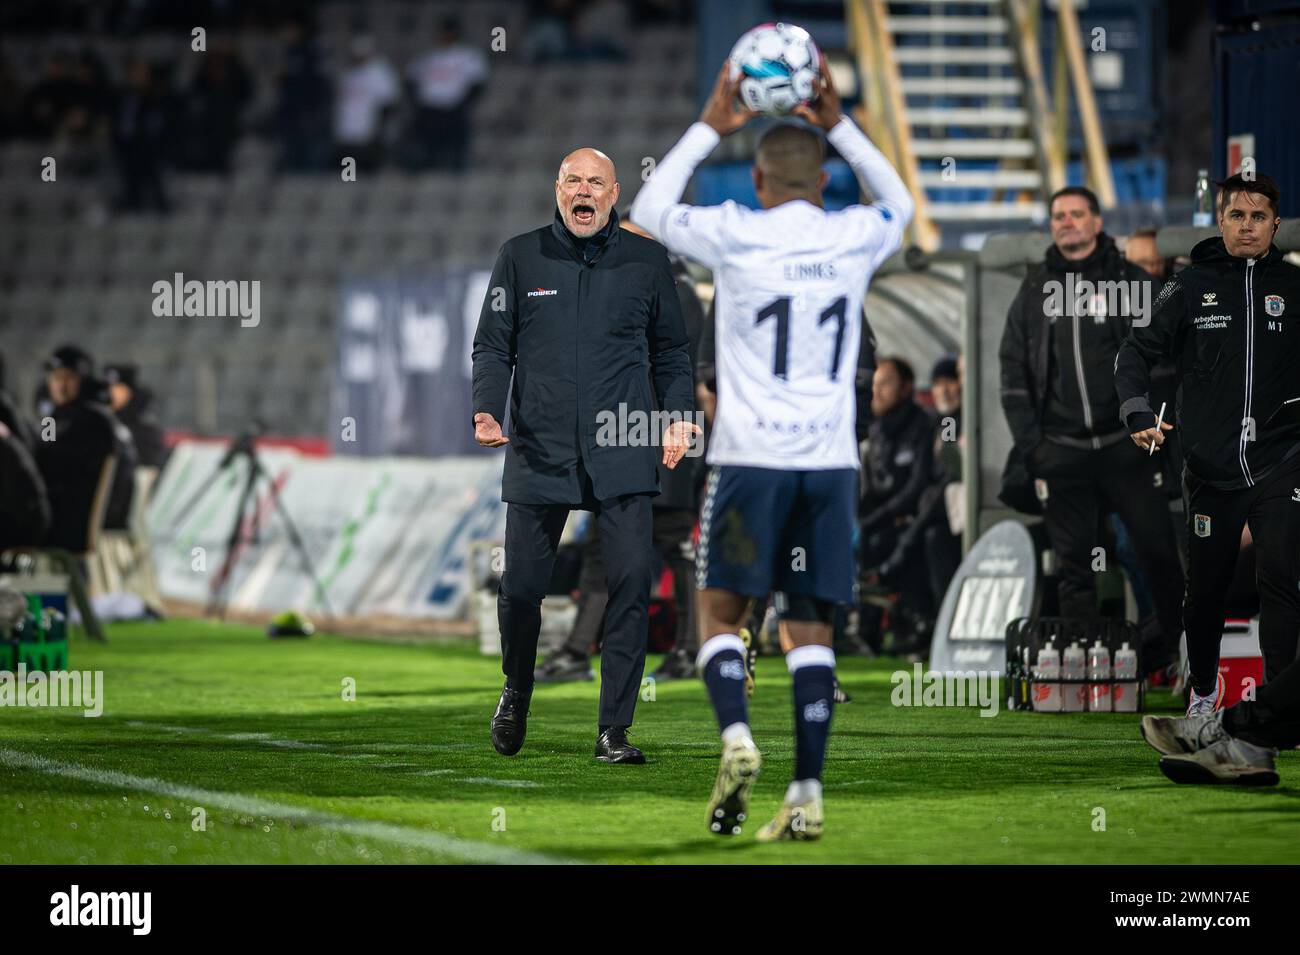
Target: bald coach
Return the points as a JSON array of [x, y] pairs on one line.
[[586, 318]]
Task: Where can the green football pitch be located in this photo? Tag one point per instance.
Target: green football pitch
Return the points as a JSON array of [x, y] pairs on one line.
[[217, 745]]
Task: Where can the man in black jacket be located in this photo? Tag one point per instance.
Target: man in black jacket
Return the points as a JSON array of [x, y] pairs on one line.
[[1229, 321], [673, 527], [1058, 357], [76, 438], [896, 470], [586, 317]]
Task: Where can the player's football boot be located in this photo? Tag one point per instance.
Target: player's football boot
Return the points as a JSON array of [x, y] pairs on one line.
[[737, 772], [1198, 705], [751, 657], [1174, 736], [794, 823], [1230, 761], [510, 721], [840, 695]]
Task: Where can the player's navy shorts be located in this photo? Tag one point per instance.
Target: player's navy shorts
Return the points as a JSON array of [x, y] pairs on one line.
[[763, 530]]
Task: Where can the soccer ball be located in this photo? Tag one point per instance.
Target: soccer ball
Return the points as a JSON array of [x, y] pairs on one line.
[[780, 63]]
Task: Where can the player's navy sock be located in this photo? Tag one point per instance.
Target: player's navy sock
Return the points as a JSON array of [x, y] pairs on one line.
[[721, 664], [812, 671]]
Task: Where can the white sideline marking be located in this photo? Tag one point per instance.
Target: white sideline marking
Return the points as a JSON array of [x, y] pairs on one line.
[[489, 781], [253, 805]]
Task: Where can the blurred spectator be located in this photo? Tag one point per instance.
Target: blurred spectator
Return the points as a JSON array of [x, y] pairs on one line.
[[24, 502], [214, 103], [603, 30], [933, 538], [898, 467], [140, 140], [446, 80], [11, 101], [11, 417], [549, 35], [1142, 251], [84, 435], [54, 96], [302, 114], [131, 403], [366, 91]]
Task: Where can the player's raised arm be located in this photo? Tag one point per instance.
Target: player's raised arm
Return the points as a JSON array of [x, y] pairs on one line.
[[494, 352], [892, 202], [693, 231]]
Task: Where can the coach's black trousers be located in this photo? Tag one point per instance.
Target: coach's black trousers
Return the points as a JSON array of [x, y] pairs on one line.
[[1214, 522], [532, 535], [1120, 479]]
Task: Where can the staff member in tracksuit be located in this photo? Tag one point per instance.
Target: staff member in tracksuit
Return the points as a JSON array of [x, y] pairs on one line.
[[1058, 394], [586, 317], [1231, 321]]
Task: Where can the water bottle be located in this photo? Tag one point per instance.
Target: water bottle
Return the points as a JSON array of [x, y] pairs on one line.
[[1075, 693], [1203, 216], [1099, 671], [1125, 695], [1047, 692]]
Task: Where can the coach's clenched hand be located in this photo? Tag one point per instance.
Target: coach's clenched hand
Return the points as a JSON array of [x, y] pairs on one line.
[[487, 432], [677, 441]]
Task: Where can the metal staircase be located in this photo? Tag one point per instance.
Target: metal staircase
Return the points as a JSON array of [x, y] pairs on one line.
[[955, 90]]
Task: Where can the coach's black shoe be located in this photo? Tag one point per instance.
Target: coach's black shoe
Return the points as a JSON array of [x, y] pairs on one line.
[[510, 721], [678, 665], [612, 747], [564, 667]]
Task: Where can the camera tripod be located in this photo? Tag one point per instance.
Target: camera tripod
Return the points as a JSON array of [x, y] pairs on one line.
[[245, 446]]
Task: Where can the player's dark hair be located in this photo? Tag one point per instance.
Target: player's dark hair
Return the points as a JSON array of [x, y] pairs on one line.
[[906, 374], [1259, 184], [1082, 192], [791, 156]]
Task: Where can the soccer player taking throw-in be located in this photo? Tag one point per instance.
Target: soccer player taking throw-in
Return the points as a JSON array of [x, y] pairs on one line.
[[781, 498]]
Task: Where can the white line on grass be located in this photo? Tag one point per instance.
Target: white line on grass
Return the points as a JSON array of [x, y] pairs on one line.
[[402, 835]]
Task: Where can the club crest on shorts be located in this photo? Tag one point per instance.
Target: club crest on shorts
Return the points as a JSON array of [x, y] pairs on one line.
[[1201, 525], [1275, 305]]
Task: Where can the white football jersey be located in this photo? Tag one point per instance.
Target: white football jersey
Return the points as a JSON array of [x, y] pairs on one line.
[[789, 283]]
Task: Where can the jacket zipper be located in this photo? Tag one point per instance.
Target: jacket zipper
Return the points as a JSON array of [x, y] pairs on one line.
[[1083, 387], [1250, 371]]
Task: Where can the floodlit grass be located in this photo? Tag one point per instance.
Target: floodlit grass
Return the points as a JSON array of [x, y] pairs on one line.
[[256, 733]]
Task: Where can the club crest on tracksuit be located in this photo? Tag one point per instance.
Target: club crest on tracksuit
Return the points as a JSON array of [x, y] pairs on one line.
[[1275, 305], [1201, 525]]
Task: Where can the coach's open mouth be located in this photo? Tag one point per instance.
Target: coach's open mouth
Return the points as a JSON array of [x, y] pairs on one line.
[[584, 214]]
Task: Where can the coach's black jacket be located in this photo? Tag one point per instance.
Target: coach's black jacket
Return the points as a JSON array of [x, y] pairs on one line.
[[1040, 392], [585, 327], [1232, 325]]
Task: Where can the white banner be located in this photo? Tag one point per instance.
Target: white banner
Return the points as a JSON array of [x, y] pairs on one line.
[[385, 535]]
